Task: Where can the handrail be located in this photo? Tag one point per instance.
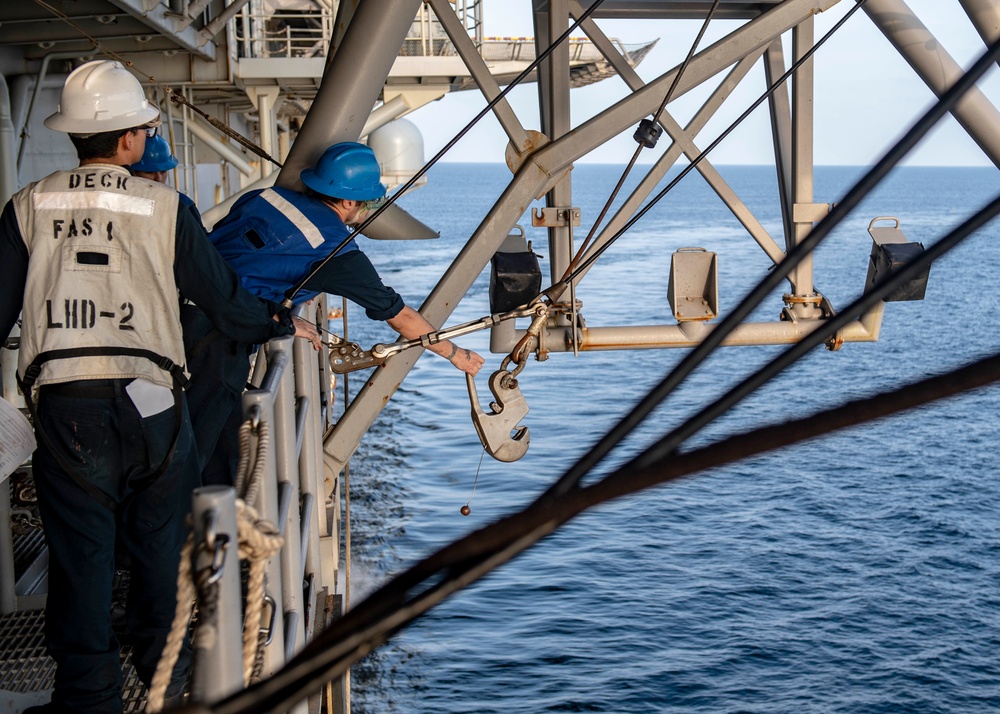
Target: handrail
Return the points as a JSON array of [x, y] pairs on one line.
[[291, 495]]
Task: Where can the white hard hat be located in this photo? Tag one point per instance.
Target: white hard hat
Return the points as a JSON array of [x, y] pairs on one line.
[[101, 96]]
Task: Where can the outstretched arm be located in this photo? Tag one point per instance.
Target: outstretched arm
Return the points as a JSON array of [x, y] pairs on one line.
[[411, 325]]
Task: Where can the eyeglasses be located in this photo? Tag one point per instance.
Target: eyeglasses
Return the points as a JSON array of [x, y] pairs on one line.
[[150, 131], [374, 204]]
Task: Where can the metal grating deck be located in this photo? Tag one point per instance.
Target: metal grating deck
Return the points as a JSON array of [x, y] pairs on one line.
[[26, 668]]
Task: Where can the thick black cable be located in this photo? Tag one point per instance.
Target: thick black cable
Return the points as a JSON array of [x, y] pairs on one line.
[[290, 295], [778, 273], [430, 581], [283, 690], [671, 467]]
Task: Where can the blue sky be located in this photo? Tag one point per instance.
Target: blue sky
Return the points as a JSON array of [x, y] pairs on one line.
[[859, 110]]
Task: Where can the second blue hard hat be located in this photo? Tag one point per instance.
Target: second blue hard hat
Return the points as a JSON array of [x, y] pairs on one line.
[[346, 170], [156, 157]]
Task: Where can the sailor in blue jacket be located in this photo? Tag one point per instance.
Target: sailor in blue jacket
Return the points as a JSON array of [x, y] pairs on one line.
[[273, 238]]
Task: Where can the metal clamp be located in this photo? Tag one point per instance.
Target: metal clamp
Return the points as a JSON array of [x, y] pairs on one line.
[[268, 631], [498, 431], [348, 357]]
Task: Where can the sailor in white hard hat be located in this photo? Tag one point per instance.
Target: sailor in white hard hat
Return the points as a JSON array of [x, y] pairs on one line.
[[93, 259]]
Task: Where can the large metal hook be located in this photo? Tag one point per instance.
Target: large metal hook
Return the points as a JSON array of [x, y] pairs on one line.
[[502, 438]]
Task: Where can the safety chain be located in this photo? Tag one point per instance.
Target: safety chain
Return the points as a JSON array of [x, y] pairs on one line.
[[206, 635], [172, 95], [259, 540]]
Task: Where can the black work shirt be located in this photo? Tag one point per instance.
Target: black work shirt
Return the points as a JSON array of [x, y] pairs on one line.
[[352, 275]]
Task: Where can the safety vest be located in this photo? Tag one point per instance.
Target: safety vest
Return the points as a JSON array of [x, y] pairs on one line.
[[100, 294], [272, 237]]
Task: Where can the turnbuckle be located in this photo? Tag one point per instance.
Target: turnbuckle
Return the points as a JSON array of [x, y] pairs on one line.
[[499, 431]]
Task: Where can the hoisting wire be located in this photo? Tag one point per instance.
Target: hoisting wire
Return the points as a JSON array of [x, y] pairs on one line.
[[557, 289], [348, 547], [654, 132], [427, 583], [172, 95], [290, 295], [520, 351]]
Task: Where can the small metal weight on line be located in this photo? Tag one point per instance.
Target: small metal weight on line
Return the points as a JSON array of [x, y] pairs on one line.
[[498, 430]]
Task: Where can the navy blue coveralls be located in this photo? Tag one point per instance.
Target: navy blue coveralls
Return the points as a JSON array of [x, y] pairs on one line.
[[95, 427]]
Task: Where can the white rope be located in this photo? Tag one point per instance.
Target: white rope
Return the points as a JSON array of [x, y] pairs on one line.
[[178, 630], [259, 540]]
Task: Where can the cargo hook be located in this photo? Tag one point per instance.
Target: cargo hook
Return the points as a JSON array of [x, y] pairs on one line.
[[498, 430]]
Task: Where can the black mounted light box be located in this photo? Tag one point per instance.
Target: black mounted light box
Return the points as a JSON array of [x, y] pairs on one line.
[[890, 251], [515, 277]]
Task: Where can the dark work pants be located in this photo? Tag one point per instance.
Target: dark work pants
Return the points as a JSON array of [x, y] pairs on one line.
[[109, 445], [219, 369]]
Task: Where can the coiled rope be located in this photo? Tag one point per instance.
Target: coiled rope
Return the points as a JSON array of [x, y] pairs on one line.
[[259, 540]]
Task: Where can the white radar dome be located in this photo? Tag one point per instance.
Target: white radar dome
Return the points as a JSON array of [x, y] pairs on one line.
[[399, 147]]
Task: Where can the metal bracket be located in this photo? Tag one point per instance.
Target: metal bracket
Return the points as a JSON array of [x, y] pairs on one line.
[[498, 431], [555, 217], [348, 357]]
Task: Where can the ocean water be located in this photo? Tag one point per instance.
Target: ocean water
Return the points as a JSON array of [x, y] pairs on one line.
[[859, 572]]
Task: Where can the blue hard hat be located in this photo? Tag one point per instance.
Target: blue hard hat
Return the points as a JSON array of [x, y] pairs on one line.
[[347, 170], [156, 157]]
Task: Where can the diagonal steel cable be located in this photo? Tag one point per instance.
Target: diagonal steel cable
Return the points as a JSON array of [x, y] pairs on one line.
[[427, 583], [638, 150], [778, 273], [559, 287]]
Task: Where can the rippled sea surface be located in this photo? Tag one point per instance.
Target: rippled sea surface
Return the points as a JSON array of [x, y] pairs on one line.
[[859, 572]]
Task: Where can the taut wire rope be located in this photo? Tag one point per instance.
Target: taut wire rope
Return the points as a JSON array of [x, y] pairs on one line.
[[590, 259], [291, 293], [638, 149], [430, 581]]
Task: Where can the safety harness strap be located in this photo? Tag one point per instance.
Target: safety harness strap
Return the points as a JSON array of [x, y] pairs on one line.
[[31, 376], [165, 363]]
